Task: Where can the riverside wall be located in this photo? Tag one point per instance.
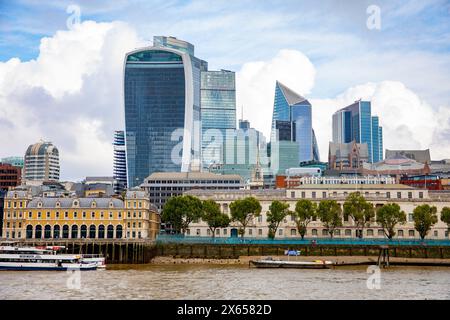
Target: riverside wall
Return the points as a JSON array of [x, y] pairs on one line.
[[234, 251]]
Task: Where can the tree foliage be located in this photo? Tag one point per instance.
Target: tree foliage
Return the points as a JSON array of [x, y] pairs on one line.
[[359, 210], [424, 218], [277, 212], [388, 216], [445, 217], [305, 212], [181, 211], [243, 211], [330, 213], [212, 215]]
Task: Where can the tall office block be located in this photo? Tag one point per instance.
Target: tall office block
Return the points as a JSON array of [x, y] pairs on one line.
[[292, 122], [356, 123], [218, 112], [243, 152], [41, 162], [162, 108], [120, 162]]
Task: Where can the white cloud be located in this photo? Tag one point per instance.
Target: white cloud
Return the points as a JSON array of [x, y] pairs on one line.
[[408, 121], [71, 95], [255, 84]]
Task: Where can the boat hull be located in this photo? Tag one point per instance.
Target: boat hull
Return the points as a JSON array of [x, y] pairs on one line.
[[291, 264], [33, 268]]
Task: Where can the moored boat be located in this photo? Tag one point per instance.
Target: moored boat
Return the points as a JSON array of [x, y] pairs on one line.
[[30, 258], [271, 263]]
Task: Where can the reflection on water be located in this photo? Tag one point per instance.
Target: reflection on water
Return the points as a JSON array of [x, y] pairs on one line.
[[226, 282]]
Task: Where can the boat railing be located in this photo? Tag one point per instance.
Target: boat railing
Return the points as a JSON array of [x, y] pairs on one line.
[[92, 255]]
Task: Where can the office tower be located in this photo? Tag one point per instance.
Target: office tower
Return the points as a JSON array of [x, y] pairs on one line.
[[120, 162], [292, 130], [218, 112], [356, 123], [244, 151], [162, 108], [41, 162]]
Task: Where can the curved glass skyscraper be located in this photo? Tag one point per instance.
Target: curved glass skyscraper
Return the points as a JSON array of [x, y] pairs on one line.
[[162, 108]]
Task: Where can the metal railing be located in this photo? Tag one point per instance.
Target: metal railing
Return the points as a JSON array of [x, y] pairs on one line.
[[298, 241]]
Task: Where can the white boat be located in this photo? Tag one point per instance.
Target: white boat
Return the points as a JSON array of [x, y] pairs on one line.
[[99, 259], [30, 258], [95, 258], [271, 263]]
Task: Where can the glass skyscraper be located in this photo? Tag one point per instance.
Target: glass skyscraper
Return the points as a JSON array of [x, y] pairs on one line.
[[218, 112], [244, 150], [162, 108], [292, 122], [120, 162], [356, 123]]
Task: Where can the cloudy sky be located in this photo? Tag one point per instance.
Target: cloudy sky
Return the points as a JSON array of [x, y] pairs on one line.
[[60, 80]]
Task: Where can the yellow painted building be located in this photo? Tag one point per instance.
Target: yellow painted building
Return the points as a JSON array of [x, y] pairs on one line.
[[27, 217]]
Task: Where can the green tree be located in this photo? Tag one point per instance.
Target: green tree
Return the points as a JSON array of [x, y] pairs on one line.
[[305, 212], [181, 211], [445, 217], [388, 216], [277, 212], [243, 211], [212, 215], [330, 213], [424, 218], [359, 210]]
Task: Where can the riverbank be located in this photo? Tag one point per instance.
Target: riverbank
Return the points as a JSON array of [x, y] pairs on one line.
[[338, 260]]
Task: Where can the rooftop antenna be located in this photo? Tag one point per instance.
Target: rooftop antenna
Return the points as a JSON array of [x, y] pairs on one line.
[[242, 112]]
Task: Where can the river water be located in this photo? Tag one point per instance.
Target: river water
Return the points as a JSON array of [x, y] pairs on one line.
[[227, 282]]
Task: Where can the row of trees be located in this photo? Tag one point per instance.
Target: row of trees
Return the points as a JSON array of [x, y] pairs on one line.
[[181, 211]]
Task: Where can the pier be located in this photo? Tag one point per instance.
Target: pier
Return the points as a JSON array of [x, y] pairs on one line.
[[116, 251]]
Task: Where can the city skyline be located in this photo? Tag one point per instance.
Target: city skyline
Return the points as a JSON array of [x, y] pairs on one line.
[[72, 81]]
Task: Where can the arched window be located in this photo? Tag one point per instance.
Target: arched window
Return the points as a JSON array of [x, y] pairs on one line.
[[101, 231], [92, 231], [83, 232], [74, 232], [119, 232], [29, 231], [56, 231], [110, 233], [47, 232], [38, 232], [65, 232]]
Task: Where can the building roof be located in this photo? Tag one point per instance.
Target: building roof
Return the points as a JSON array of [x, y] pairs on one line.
[[344, 149], [192, 176], [41, 148], [137, 194], [69, 202], [19, 193], [356, 187], [291, 96], [422, 156], [398, 162]]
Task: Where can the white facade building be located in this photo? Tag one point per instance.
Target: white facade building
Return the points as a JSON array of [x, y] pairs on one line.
[[408, 198]]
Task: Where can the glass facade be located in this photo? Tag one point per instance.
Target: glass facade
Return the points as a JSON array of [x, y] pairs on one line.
[[301, 116], [292, 122], [243, 151], [120, 162], [218, 112], [356, 122], [160, 112]]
